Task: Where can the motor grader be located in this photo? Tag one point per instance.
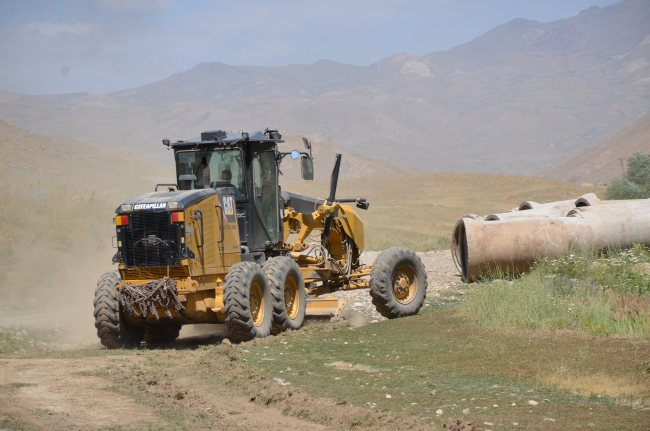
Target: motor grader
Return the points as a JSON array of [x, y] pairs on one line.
[[224, 244]]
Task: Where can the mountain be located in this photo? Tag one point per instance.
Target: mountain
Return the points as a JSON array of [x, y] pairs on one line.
[[520, 98], [601, 163]]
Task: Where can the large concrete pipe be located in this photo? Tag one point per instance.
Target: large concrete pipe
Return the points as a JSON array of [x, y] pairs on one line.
[[617, 224], [551, 209], [512, 246], [527, 209]]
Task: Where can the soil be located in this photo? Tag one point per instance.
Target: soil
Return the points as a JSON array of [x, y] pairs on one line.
[[441, 275], [66, 394], [61, 394], [54, 394]]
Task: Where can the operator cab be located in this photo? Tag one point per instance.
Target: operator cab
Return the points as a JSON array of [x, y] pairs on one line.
[[245, 164]]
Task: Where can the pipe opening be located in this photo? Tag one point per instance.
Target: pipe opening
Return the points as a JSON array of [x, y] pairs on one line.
[[463, 259]]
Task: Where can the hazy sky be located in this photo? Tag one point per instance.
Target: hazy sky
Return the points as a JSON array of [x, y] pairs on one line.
[[106, 45]]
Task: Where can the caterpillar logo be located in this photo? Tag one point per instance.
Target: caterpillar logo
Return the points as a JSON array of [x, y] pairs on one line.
[[157, 206], [228, 206]]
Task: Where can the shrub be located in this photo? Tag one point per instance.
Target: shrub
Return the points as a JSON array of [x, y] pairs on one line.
[[635, 184]]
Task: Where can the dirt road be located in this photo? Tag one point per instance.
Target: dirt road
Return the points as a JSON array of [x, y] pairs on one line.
[[78, 394], [61, 394]]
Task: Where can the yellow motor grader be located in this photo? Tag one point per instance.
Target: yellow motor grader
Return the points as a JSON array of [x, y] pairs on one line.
[[226, 245]]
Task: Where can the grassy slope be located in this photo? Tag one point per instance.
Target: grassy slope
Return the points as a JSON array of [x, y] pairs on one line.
[[58, 196], [447, 362], [420, 211]]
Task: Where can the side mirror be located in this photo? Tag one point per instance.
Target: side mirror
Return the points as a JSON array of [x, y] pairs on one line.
[[307, 168], [307, 145], [295, 154]]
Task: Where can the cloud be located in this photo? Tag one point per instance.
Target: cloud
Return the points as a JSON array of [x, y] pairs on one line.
[[56, 29], [132, 5]]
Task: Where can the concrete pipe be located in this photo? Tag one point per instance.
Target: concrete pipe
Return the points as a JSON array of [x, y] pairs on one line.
[[588, 200], [550, 209], [617, 224], [454, 238], [512, 246]]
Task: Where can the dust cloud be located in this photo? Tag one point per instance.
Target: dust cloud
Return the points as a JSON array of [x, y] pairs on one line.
[[61, 300]]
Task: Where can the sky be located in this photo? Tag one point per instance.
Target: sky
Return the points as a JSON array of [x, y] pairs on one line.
[[99, 46]]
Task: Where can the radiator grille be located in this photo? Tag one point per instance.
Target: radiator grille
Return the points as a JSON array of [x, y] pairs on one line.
[[152, 240]]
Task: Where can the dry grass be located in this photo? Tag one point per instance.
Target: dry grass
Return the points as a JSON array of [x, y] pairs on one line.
[[420, 211], [602, 385]]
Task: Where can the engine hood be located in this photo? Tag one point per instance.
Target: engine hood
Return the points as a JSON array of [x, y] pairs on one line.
[[159, 201]]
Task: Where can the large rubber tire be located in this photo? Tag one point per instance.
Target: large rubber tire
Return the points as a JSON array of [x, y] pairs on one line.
[[248, 303], [288, 291], [161, 334], [398, 283], [112, 331]]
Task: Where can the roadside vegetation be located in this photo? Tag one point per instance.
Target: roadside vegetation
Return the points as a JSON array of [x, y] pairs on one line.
[[602, 294], [635, 184]]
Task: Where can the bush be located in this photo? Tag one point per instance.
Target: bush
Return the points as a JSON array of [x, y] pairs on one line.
[[635, 184]]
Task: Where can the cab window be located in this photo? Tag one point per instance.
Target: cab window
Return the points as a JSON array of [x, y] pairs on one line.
[[200, 169]]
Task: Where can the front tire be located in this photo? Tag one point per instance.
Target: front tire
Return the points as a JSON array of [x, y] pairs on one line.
[[247, 302], [112, 331], [398, 283], [288, 291]]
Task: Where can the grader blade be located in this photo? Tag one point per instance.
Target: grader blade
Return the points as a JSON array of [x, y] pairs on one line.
[[329, 307]]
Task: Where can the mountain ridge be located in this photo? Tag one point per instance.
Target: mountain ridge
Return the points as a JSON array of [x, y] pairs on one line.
[[521, 97]]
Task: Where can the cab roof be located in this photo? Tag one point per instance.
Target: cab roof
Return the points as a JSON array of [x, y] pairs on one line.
[[225, 138]]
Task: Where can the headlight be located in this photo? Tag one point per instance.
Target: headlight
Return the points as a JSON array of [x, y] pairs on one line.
[[126, 208], [173, 205]]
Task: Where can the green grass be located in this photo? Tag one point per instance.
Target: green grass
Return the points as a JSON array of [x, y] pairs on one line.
[[519, 305], [441, 360], [602, 294]]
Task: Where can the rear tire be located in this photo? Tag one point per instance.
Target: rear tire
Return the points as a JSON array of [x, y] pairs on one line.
[[288, 291], [161, 334], [112, 331], [247, 302], [398, 283]]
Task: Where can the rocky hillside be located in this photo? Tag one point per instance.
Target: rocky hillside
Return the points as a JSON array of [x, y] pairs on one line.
[[602, 162], [519, 98]]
